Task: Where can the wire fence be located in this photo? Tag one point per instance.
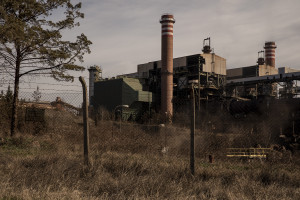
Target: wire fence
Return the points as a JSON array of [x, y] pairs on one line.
[[40, 112], [219, 125]]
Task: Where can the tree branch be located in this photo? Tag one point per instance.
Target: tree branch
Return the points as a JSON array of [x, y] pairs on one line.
[[8, 59], [40, 69]]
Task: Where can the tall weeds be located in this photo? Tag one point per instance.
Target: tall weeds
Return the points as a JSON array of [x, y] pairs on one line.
[[130, 164]]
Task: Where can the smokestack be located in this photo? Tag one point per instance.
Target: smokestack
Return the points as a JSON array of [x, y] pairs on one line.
[[270, 53], [167, 21]]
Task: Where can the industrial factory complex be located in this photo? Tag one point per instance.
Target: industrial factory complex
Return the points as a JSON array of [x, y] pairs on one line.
[[164, 86]]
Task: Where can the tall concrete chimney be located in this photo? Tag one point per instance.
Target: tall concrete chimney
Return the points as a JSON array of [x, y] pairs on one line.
[[167, 21], [270, 53]]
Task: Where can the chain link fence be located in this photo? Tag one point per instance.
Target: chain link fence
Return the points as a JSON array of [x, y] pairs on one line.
[[45, 159], [219, 125], [39, 113]]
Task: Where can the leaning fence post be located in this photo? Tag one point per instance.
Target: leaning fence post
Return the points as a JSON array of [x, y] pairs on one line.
[[85, 123]]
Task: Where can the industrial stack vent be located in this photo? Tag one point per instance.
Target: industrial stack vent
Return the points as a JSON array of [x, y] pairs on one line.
[[206, 46], [261, 60]]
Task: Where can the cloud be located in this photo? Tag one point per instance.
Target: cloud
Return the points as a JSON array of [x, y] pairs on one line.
[[127, 33]]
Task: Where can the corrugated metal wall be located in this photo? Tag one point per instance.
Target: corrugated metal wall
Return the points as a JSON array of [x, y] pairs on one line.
[[123, 91], [108, 93]]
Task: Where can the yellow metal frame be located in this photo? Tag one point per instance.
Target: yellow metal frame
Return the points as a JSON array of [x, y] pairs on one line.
[[248, 152]]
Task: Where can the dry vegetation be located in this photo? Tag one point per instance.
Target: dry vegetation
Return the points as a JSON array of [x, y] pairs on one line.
[[130, 165]]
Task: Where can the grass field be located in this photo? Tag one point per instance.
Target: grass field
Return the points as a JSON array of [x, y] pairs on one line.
[[130, 165]]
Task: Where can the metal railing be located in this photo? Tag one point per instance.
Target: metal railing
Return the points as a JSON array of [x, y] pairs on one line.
[[248, 152]]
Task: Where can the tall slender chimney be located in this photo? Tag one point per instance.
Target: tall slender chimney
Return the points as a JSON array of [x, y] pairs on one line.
[[270, 53], [167, 21]]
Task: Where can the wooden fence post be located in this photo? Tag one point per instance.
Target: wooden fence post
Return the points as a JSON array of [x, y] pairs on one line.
[[85, 123], [192, 140]]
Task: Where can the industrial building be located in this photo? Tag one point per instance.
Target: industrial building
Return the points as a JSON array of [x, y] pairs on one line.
[[165, 86], [145, 87], [263, 79], [127, 92], [265, 66]]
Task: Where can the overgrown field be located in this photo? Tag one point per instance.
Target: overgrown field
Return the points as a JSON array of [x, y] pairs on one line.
[[129, 164]]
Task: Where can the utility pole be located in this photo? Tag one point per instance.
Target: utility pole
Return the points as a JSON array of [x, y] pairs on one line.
[[149, 106], [293, 115], [85, 123], [192, 139], [199, 84]]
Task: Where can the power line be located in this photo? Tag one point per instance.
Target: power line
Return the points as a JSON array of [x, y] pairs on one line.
[[78, 91], [45, 75], [50, 89], [42, 84]]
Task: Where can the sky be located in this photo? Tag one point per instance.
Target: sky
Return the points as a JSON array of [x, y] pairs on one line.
[[126, 33]]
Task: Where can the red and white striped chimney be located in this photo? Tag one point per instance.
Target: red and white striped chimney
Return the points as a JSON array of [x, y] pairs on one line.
[[167, 21], [270, 53]]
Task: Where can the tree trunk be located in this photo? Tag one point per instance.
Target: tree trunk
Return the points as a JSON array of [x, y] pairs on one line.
[[14, 115]]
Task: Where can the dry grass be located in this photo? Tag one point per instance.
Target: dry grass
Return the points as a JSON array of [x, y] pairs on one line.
[[130, 165]]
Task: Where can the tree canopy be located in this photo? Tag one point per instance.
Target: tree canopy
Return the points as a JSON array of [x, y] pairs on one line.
[[31, 41]]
